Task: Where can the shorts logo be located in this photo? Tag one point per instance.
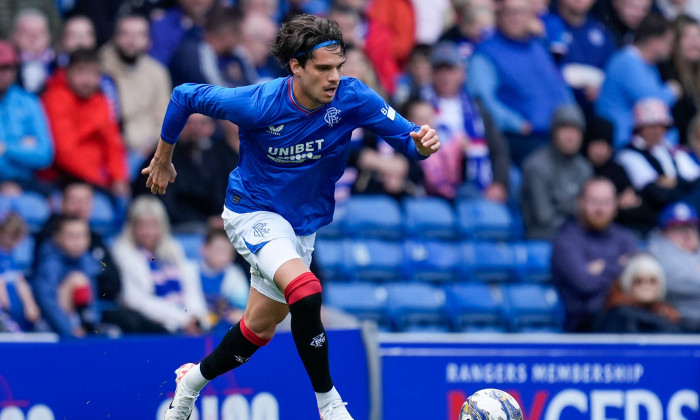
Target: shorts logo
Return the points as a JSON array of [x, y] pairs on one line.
[[331, 116], [260, 230], [318, 340], [275, 130]]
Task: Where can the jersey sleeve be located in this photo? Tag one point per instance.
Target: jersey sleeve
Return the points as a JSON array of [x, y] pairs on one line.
[[377, 116], [233, 104]]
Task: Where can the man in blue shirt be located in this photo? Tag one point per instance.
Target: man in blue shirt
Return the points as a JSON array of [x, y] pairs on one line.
[[295, 142], [25, 141]]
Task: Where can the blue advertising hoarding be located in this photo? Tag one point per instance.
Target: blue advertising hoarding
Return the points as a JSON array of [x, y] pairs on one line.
[[553, 378], [132, 378]]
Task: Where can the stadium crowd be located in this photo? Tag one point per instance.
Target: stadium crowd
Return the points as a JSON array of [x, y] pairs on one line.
[[579, 117]]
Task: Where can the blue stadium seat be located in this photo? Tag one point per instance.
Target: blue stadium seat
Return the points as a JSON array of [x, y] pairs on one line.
[[191, 244], [374, 260], [376, 217], [489, 261], [537, 261], [486, 220], [533, 307], [32, 207], [429, 218], [23, 254], [366, 301], [476, 307], [417, 307], [432, 261], [330, 255], [336, 229], [103, 218]]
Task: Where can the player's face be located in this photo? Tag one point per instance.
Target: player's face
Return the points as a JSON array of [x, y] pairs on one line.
[[316, 83]]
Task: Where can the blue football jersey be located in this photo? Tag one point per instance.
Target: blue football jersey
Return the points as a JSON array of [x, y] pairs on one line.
[[290, 157]]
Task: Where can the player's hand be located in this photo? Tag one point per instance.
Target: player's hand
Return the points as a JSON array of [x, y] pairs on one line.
[[160, 174], [426, 140]]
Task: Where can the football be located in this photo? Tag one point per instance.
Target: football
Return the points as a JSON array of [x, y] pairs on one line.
[[490, 404]]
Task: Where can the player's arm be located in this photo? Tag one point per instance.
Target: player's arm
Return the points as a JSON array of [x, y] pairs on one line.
[[187, 99], [376, 115]]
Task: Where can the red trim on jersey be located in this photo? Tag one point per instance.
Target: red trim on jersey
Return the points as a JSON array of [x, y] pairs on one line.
[[294, 102], [251, 336], [305, 285]]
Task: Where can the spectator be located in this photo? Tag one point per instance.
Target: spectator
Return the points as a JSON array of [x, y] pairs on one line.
[[197, 60], [64, 280], [475, 22], [431, 19], [659, 173], [157, 282], [78, 34], [632, 74], [18, 309], [25, 142], [636, 302], [515, 77], [10, 9], [673, 9], [82, 125], [677, 247], [474, 159], [257, 33], [684, 67], [144, 87], [587, 47], [588, 254], [370, 36], [599, 150], [414, 83], [623, 18], [399, 16], [554, 174], [32, 38], [170, 28], [224, 283]]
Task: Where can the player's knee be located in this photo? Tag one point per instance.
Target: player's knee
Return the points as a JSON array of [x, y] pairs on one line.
[[304, 292], [258, 330]]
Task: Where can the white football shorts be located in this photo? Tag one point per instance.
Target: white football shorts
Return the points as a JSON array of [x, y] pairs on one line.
[[266, 240]]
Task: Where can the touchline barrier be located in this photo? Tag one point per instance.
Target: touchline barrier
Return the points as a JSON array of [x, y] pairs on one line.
[[553, 376]]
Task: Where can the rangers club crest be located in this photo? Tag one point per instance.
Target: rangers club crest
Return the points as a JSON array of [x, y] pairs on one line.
[[260, 230], [331, 116], [318, 340]]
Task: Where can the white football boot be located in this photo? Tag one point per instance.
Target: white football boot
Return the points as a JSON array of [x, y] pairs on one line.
[[335, 411], [183, 402]]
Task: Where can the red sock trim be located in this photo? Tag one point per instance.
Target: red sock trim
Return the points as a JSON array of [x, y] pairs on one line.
[[251, 336], [305, 285]]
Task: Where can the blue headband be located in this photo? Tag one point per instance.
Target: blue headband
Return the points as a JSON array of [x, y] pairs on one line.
[[317, 46]]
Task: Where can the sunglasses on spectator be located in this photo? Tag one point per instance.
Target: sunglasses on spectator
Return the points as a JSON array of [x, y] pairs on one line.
[[642, 280]]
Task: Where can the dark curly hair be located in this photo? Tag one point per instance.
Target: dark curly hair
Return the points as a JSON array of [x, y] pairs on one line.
[[298, 36]]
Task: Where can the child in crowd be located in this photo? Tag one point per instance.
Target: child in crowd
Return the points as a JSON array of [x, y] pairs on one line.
[[18, 309], [65, 279], [225, 284]]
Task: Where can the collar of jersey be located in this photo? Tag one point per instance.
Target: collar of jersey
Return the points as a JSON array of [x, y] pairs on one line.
[[295, 103]]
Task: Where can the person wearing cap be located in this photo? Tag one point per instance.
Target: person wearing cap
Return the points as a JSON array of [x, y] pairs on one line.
[[676, 244], [475, 160], [588, 254], [25, 141], [515, 77], [659, 173], [598, 148], [632, 75], [553, 175]]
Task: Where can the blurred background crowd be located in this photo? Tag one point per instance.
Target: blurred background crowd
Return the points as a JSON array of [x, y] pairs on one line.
[[576, 121]]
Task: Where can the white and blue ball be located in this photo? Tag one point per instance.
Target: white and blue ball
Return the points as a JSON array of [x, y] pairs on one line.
[[491, 404]]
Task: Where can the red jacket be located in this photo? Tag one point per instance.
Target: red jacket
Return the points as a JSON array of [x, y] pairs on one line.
[[86, 138]]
